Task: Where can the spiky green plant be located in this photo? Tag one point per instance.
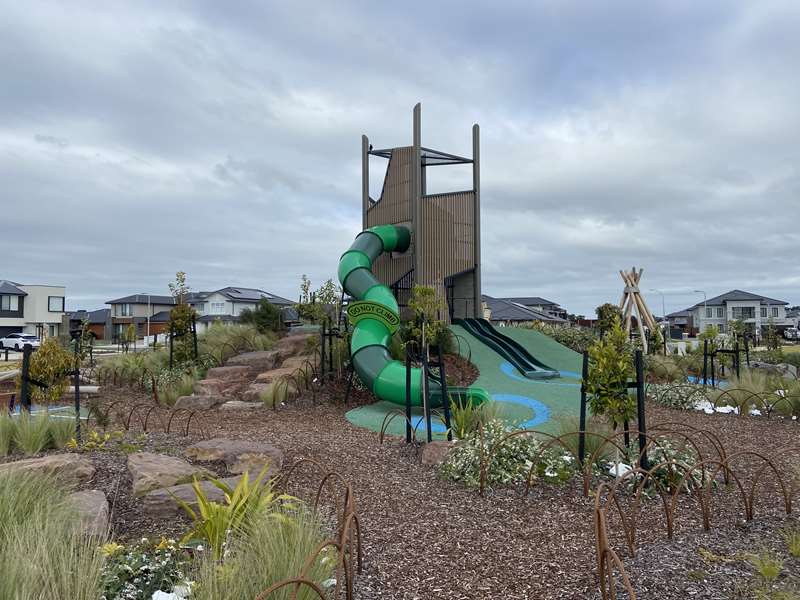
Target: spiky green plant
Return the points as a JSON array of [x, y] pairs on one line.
[[41, 554], [32, 434], [767, 564], [61, 432], [8, 429], [267, 553]]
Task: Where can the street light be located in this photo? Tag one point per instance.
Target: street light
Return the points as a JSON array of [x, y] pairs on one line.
[[705, 305], [663, 309], [149, 310]]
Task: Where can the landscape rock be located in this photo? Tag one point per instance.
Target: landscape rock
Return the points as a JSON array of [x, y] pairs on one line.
[[238, 455], [434, 453], [240, 405], [151, 471], [272, 375], [261, 360], [295, 362], [252, 393], [70, 467], [208, 387], [162, 504], [194, 402], [231, 370], [92, 507], [293, 345]]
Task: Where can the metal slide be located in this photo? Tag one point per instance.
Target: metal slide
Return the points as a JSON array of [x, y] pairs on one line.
[[510, 349], [369, 347]]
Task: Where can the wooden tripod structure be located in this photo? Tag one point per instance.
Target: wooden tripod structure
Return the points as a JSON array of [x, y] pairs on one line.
[[633, 301]]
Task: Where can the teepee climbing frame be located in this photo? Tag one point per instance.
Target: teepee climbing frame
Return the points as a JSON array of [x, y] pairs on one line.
[[633, 302]]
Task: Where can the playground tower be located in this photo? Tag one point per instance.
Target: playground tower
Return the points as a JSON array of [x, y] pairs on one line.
[[445, 250]]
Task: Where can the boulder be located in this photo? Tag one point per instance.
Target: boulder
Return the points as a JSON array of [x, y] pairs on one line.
[[272, 375], [252, 393], [293, 345], [229, 371], [262, 360], [162, 504], [208, 387], [238, 455], [285, 388], [434, 453], [151, 471], [195, 402], [93, 512], [71, 467], [295, 362], [239, 405]]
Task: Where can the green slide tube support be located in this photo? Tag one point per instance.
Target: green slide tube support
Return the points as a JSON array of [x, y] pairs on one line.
[[369, 347]]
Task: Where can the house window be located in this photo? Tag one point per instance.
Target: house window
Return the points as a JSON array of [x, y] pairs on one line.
[[55, 304], [52, 330], [217, 308], [774, 311], [124, 310], [9, 303], [763, 312], [708, 312], [720, 312], [744, 312], [200, 307]]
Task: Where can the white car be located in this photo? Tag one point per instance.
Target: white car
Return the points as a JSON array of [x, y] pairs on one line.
[[791, 333], [16, 341]]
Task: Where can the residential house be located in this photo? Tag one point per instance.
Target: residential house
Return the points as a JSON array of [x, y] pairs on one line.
[[505, 312], [138, 310], [27, 308], [539, 304], [226, 305], [99, 322], [756, 311]]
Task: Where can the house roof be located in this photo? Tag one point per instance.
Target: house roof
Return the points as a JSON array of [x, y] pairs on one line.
[[503, 309], [531, 301], [686, 312], [251, 295], [737, 295], [95, 317], [143, 299], [9, 288], [160, 317]]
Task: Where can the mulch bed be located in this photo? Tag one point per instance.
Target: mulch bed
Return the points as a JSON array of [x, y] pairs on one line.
[[427, 538]]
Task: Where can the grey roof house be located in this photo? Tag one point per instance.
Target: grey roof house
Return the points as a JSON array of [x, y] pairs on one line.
[[504, 311], [755, 310]]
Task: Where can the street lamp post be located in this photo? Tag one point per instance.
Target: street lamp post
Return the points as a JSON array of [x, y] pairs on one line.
[[663, 310], [705, 305], [149, 310]]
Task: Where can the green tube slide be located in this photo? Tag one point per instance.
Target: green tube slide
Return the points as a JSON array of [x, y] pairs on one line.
[[369, 346]]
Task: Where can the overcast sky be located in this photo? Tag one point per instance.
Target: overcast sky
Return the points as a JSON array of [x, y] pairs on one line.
[[223, 139]]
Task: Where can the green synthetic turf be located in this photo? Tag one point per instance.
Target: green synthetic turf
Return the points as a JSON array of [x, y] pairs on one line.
[[561, 395]]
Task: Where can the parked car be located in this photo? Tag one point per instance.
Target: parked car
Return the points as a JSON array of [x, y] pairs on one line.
[[17, 340], [791, 333]]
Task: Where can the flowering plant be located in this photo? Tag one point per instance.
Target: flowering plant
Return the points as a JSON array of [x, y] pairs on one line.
[[138, 571], [510, 461]]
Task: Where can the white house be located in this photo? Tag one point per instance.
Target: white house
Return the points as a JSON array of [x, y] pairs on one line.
[[28, 308], [226, 305], [754, 310]]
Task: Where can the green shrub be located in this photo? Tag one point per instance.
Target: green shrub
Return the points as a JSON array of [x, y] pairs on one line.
[[767, 564], [576, 338], [270, 551], [265, 317], [610, 370], [792, 538], [664, 369], [593, 440], [466, 417], [686, 396], [50, 364], [742, 391], [278, 392], [40, 553], [214, 522], [510, 461], [32, 434]]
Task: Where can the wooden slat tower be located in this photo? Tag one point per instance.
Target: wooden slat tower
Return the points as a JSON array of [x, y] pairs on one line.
[[633, 301]]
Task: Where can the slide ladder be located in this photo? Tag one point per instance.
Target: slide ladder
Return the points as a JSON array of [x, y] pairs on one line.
[[508, 348]]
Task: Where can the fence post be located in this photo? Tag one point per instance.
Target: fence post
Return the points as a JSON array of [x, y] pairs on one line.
[[194, 334], [582, 426], [736, 358], [747, 350], [408, 395], [705, 362], [24, 389], [322, 351], [171, 337], [77, 386], [640, 413], [445, 397], [426, 398]]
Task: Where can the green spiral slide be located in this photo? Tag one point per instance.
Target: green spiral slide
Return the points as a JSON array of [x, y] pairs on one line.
[[372, 330]]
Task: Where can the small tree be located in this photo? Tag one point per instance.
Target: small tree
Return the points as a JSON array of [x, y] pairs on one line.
[[266, 317], [428, 307], [180, 319], [611, 367], [607, 314], [771, 337], [51, 365]]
